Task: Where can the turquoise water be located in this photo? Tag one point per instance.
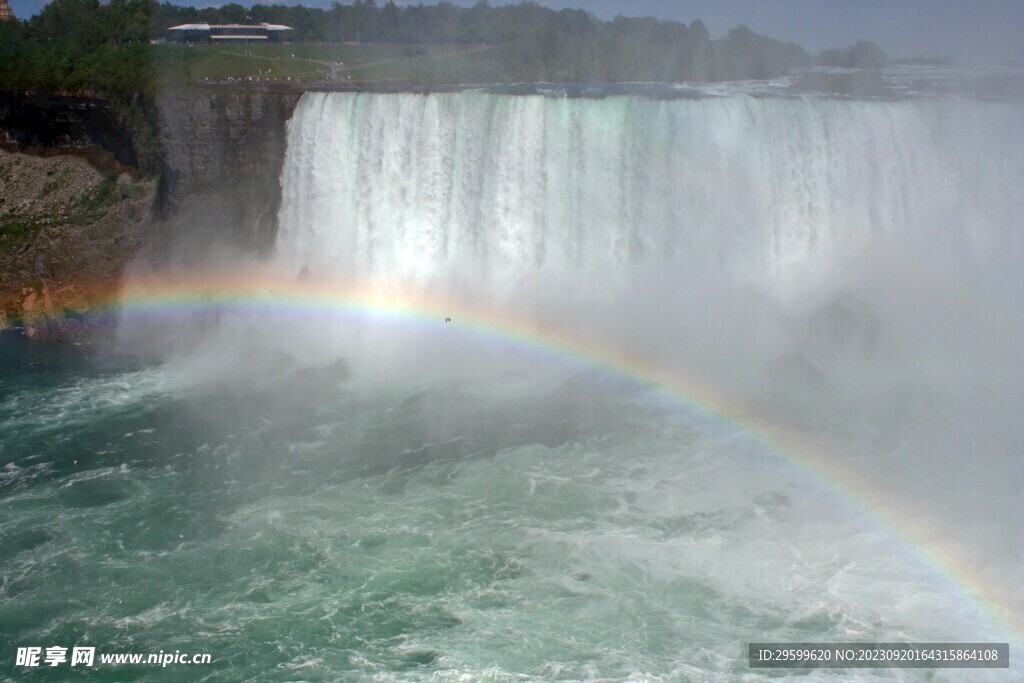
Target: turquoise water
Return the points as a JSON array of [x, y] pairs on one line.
[[328, 530]]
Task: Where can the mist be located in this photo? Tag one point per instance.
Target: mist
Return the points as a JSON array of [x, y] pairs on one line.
[[844, 269], [701, 232]]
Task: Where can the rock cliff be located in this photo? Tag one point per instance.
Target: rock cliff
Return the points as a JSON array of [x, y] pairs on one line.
[[222, 154], [66, 232], [44, 123], [76, 204]]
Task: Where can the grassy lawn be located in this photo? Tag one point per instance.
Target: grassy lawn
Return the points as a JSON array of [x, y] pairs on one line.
[[311, 61], [473, 65]]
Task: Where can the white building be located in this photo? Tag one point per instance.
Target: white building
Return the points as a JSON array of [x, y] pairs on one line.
[[228, 33]]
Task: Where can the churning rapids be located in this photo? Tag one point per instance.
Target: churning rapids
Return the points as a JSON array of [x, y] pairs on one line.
[[545, 388]]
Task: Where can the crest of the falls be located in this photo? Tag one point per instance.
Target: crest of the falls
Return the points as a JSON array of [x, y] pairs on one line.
[[510, 196]]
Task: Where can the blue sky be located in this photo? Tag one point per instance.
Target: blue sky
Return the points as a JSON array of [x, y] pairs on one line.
[[968, 30]]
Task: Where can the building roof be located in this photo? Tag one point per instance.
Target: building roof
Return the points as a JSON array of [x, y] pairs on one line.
[[207, 27]]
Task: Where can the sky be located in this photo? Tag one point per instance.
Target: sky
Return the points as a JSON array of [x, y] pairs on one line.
[[970, 31]]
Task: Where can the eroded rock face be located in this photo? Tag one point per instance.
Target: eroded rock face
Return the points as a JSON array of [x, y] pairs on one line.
[[845, 326], [66, 232], [43, 120], [67, 225], [843, 332], [39, 317], [223, 150], [794, 370]]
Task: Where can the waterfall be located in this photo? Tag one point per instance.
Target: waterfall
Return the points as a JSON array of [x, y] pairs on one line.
[[497, 193]]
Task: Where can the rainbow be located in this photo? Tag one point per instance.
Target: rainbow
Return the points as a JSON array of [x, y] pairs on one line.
[[272, 292]]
